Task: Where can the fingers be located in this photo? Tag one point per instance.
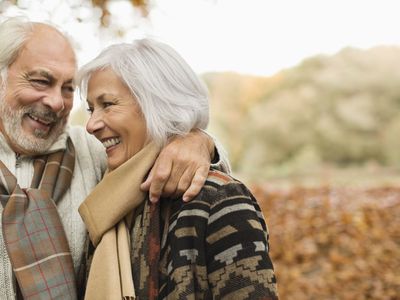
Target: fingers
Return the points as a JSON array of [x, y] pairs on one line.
[[181, 168], [161, 182], [145, 186], [171, 186], [160, 175], [184, 182], [196, 185]]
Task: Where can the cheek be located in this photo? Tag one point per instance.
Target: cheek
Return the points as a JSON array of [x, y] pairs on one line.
[[135, 131], [140, 133], [22, 97], [68, 103]]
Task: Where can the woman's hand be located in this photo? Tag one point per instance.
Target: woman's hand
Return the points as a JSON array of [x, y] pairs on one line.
[[181, 167]]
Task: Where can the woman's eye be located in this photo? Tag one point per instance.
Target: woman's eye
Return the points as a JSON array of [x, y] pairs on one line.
[[107, 104], [69, 89]]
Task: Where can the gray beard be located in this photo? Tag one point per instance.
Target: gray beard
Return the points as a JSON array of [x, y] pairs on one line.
[[40, 141]]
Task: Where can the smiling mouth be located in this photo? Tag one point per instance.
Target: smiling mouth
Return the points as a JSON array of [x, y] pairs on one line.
[[42, 121], [107, 143], [41, 125]]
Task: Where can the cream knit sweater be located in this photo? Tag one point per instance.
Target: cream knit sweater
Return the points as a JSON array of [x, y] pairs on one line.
[[90, 165]]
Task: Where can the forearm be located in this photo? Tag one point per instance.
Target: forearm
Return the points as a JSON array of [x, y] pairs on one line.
[[219, 158]]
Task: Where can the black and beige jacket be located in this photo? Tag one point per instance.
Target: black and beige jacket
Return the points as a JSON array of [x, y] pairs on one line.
[[213, 247]]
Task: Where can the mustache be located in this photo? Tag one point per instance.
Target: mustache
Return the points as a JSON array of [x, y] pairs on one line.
[[43, 113]]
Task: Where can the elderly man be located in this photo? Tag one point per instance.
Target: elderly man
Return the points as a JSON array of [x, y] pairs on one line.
[[44, 160]]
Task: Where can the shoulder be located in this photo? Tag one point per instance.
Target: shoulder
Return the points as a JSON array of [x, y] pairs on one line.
[[229, 200], [89, 151], [79, 134], [84, 142], [200, 207], [221, 192], [221, 198], [217, 178], [220, 185], [217, 181]]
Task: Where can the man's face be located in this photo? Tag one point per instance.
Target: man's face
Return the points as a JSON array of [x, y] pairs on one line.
[[38, 96]]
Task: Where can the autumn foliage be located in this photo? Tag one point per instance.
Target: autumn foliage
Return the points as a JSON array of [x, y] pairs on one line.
[[334, 243], [342, 110]]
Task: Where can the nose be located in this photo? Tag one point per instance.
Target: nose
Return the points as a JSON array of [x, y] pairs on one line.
[[55, 101], [95, 123]]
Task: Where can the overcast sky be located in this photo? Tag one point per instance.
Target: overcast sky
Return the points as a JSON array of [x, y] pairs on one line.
[[248, 36]]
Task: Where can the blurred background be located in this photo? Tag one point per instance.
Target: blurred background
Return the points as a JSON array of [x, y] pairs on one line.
[[305, 97]]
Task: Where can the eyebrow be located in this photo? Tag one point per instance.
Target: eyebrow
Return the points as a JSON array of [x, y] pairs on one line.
[[98, 98], [103, 96], [41, 73], [48, 76]]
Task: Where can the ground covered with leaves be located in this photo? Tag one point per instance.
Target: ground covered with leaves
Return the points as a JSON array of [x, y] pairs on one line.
[[334, 243]]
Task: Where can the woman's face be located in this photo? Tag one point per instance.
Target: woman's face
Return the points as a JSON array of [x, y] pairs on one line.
[[116, 119]]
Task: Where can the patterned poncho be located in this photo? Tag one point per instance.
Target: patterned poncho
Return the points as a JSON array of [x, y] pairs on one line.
[[214, 247]]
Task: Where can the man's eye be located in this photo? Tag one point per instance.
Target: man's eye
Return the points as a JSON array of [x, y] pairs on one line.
[[90, 110], [40, 81]]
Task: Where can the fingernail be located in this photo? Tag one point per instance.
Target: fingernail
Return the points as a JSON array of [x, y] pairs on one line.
[[153, 199]]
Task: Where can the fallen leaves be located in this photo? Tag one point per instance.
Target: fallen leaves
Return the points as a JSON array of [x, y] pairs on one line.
[[334, 243]]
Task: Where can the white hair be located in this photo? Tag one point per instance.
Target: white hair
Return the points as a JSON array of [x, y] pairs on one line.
[[14, 32], [171, 96]]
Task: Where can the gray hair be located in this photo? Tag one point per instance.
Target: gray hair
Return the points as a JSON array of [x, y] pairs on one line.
[[171, 96], [14, 32]]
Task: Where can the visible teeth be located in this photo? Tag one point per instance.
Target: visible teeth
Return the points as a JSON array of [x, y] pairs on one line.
[[40, 120], [111, 142]]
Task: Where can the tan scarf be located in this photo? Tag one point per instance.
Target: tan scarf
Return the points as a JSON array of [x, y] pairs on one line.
[[34, 235], [104, 212]]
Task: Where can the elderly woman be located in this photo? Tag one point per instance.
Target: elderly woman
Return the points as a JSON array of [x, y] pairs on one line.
[[215, 246]]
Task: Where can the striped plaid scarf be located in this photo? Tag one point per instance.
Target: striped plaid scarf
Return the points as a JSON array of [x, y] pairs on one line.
[[32, 230]]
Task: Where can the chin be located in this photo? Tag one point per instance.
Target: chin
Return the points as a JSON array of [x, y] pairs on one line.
[[34, 143], [112, 166]]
